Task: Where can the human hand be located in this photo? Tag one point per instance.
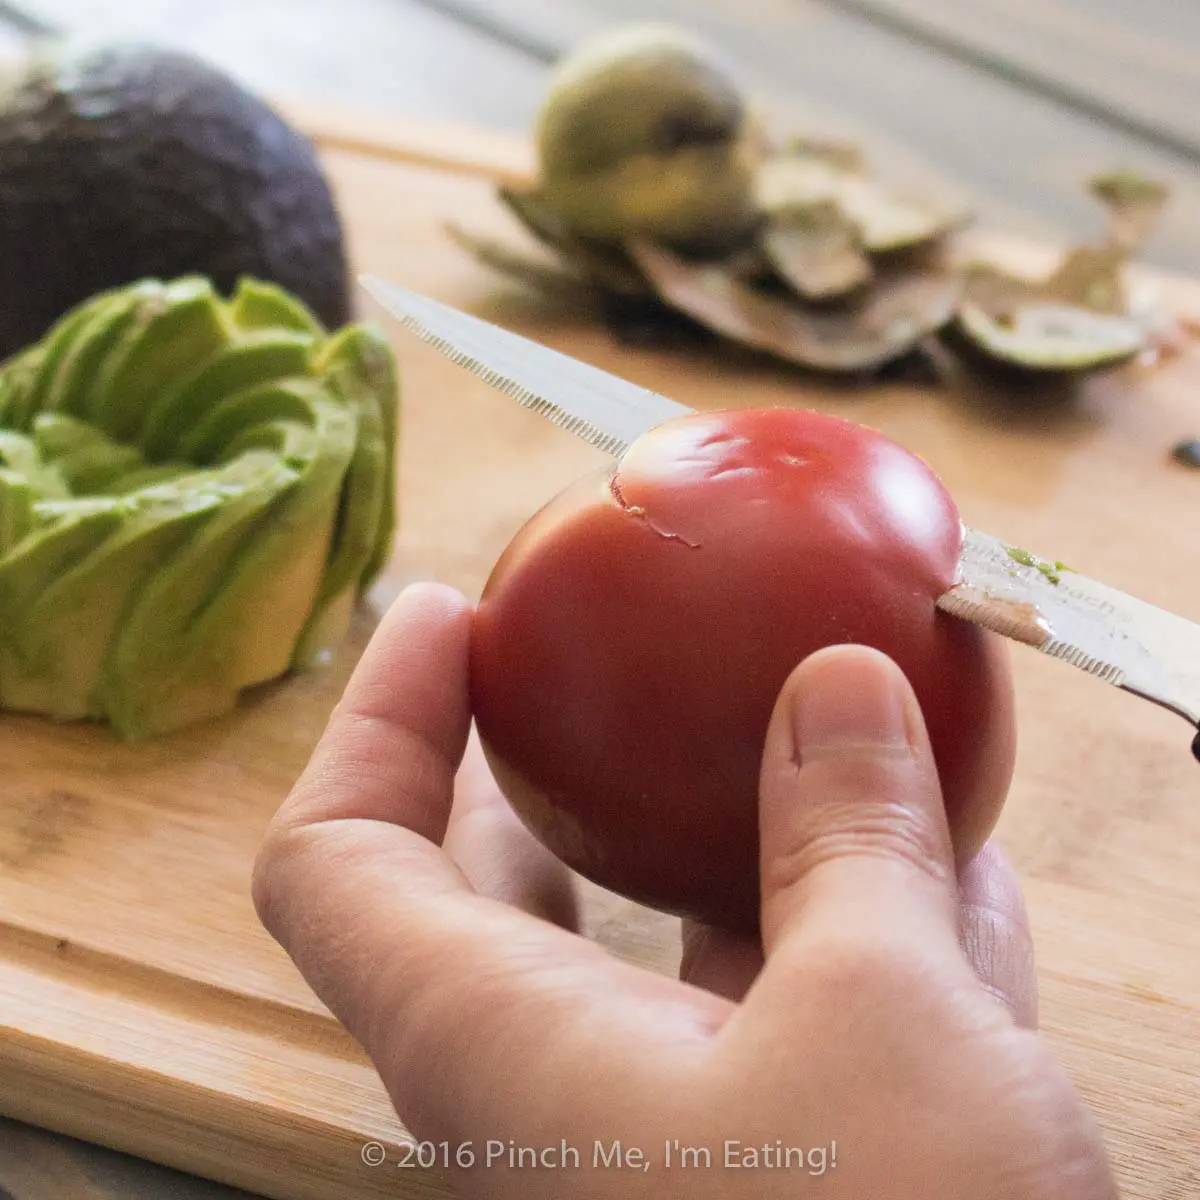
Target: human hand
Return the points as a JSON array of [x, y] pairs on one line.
[[891, 1016]]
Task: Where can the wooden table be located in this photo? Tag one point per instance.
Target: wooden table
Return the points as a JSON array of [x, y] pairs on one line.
[[1016, 101]]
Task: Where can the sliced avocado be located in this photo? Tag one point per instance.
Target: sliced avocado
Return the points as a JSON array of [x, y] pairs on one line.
[[72, 531], [152, 592], [263, 306], [56, 434], [162, 672], [6, 396], [58, 343], [282, 573], [364, 352], [287, 400], [90, 469], [187, 330], [66, 635], [252, 359], [144, 477], [18, 384], [357, 368], [17, 498], [354, 539], [224, 613], [19, 453], [74, 379], [85, 457], [289, 440]]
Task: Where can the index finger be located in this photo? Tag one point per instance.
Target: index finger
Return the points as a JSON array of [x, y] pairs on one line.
[[394, 741], [453, 995]]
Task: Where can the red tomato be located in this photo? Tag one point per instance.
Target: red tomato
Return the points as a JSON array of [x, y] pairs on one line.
[[633, 639]]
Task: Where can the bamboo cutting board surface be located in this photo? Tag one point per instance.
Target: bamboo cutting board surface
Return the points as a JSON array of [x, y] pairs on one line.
[[142, 1006]]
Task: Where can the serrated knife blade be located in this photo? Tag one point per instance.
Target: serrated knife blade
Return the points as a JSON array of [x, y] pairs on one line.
[[1119, 639]]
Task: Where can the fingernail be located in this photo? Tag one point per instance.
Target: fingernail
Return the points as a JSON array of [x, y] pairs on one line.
[[850, 698]]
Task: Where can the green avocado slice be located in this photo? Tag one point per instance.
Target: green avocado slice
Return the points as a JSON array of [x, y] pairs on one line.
[[7, 399], [17, 498], [287, 400], [252, 359], [71, 530], [90, 469], [84, 456], [225, 612], [58, 343], [67, 633], [358, 517], [19, 453], [259, 305], [56, 434], [361, 354], [357, 368], [70, 386], [176, 338], [144, 477], [18, 384], [161, 673], [283, 574]]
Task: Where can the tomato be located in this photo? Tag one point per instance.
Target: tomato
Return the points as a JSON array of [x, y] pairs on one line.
[[632, 641]]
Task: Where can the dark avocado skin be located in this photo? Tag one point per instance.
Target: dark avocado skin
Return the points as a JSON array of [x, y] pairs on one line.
[[127, 161]]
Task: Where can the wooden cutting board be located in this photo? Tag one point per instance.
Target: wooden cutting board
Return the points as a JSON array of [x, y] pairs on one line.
[[143, 1007]]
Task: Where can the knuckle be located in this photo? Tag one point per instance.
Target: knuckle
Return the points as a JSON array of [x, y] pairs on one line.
[[887, 832], [282, 865]]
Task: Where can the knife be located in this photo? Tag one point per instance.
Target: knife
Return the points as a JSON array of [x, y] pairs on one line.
[[1124, 641]]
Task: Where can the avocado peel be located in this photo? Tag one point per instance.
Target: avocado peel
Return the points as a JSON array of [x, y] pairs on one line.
[[792, 244]]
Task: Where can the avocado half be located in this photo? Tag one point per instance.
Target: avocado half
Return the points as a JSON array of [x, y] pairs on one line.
[[120, 162], [194, 493]]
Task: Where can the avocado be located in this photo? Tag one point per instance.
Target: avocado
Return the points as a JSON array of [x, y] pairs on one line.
[[359, 366], [86, 458], [194, 493], [16, 509], [259, 357], [225, 613], [69, 379], [71, 530], [644, 132], [126, 161], [62, 638], [175, 336]]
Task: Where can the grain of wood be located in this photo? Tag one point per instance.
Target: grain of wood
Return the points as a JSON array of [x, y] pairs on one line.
[[150, 1012]]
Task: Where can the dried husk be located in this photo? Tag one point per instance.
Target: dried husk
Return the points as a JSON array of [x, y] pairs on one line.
[[605, 263], [889, 323], [816, 250], [887, 219]]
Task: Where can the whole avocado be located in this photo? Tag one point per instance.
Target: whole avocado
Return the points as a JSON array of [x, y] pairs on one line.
[[125, 161]]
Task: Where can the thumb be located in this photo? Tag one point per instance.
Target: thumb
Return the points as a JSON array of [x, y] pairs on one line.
[[855, 846]]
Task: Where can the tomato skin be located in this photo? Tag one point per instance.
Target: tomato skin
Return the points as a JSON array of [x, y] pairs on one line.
[[632, 641]]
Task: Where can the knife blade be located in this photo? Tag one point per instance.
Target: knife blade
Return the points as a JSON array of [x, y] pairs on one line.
[[1132, 645]]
